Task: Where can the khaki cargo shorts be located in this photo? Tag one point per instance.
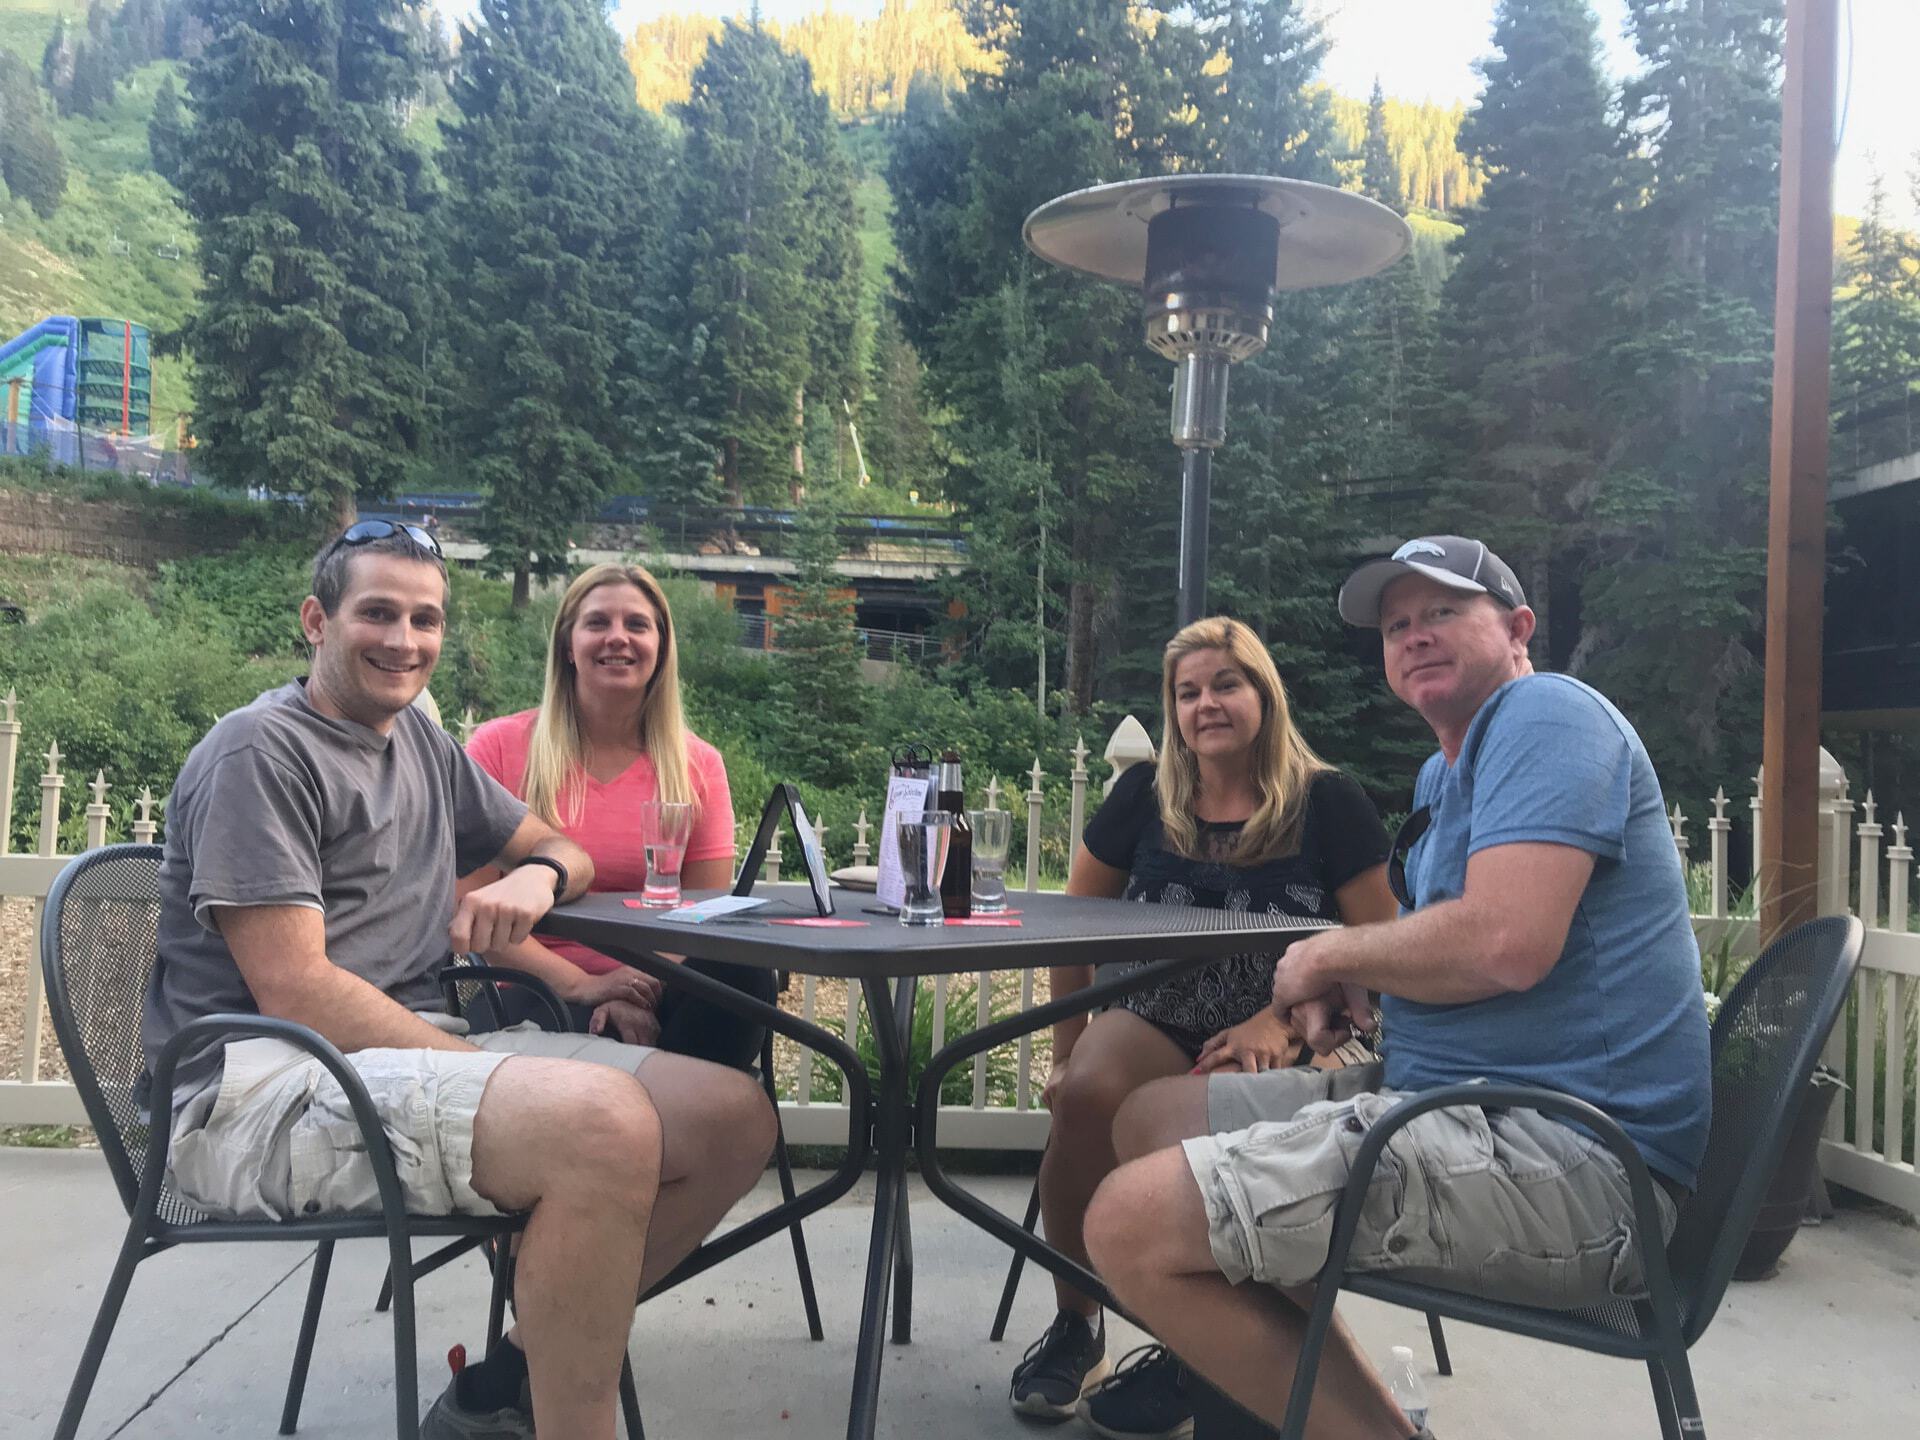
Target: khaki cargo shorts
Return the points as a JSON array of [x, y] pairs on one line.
[[276, 1139], [1506, 1204]]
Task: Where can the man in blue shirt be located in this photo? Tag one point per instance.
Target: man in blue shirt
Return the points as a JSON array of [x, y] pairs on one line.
[[1543, 939]]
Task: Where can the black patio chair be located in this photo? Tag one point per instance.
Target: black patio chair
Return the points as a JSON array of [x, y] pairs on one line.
[[97, 953], [1765, 1045]]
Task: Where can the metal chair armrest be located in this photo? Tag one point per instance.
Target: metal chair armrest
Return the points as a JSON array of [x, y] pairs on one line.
[[549, 998], [234, 1026], [1553, 1103], [1645, 1219]]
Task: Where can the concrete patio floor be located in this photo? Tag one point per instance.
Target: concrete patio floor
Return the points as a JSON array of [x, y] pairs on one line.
[[1830, 1347]]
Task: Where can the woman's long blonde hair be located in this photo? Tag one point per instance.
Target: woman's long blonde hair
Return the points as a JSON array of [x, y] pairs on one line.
[[1282, 764], [555, 781]]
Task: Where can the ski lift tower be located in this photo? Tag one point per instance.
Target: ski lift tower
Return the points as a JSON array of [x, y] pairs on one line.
[[1207, 253]]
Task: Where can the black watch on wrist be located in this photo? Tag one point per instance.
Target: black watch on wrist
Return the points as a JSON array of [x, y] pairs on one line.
[[560, 877]]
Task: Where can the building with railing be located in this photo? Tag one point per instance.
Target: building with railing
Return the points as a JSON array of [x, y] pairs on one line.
[[1865, 867]]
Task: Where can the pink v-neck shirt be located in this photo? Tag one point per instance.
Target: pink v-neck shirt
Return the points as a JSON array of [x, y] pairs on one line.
[[609, 825]]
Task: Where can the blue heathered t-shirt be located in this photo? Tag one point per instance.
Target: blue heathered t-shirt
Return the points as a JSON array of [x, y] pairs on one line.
[[1619, 1021]]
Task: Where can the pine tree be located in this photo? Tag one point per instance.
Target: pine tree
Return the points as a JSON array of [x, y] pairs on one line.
[[552, 246], [1380, 177], [56, 64], [1072, 441], [1520, 310], [1398, 337], [1671, 622], [897, 439], [763, 266], [834, 381], [166, 131], [1877, 324], [31, 161], [308, 204], [816, 713], [92, 91]]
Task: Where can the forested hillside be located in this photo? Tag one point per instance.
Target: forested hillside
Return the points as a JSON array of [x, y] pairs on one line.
[[722, 264]]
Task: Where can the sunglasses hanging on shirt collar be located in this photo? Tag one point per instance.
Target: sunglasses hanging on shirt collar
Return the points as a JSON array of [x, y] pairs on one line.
[[1411, 829]]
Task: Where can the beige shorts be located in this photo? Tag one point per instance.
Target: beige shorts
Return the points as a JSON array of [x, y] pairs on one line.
[[1505, 1203], [276, 1139]]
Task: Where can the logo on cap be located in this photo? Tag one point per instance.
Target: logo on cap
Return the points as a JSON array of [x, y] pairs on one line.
[[1419, 547]]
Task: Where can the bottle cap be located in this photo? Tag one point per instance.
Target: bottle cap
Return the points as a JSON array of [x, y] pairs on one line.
[[1403, 1353]]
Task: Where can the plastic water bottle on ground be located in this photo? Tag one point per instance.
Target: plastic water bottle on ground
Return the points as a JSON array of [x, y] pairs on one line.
[[1409, 1390]]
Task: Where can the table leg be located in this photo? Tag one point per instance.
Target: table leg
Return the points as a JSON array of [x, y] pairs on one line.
[[904, 1002], [890, 1152], [957, 1052], [903, 1271]]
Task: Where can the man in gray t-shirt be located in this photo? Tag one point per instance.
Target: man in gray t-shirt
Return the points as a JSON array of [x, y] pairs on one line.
[[314, 845], [284, 805]]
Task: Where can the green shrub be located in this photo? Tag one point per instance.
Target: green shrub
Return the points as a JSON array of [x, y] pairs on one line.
[[123, 691], [1003, 1072]]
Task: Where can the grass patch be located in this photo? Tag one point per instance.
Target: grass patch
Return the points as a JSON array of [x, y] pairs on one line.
[[34, 582], [264, 519], [48, 1137]]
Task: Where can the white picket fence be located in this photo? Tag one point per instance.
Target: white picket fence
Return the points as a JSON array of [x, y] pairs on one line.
[[1879, 1032]]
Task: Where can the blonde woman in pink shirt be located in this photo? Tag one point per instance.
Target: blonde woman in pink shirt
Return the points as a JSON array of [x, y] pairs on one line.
[[609, 735]]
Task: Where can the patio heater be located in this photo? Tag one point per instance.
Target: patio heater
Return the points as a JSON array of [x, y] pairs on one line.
[[1207, 253]]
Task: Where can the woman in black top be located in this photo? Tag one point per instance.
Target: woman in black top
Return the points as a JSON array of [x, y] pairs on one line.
[[1239, 815]]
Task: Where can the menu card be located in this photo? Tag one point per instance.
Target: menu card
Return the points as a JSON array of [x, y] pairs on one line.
[[906, 795]]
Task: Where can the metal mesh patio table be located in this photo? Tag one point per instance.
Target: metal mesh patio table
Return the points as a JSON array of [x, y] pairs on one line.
[[887, 1117]]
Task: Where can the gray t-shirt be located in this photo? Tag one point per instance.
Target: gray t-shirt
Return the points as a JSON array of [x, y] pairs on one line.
[[281, 805]]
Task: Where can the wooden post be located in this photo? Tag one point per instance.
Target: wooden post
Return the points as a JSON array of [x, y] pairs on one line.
[[51, 783], [862, 852], [1869, 834], [98, 811], [993, 792], [1797, 512], [144, 828], [1717, 829], [1899, 871], [9, 749], [1079, 811], [1034, 801]]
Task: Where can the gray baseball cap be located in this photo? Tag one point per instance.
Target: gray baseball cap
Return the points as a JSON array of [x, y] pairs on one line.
[[1450, 560]]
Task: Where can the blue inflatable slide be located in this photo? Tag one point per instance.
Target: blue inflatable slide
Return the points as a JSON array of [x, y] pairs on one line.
[[71, 379]]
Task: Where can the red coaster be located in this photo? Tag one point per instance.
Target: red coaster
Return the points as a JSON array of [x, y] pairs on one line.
[[1001, 920], [822, 922]]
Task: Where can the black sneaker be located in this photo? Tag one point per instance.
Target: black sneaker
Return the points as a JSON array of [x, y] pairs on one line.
[[1146, 1398], [1059, 1367]]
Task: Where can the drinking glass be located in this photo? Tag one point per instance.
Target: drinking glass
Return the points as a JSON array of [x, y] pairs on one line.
[[664, 829], [992, 834], [924, 839]]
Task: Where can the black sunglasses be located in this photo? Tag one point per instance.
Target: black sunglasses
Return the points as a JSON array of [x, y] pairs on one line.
[[1408, 835], [365, 532]]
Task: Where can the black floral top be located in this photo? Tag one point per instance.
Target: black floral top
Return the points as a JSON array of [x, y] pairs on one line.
[[1341, 836]]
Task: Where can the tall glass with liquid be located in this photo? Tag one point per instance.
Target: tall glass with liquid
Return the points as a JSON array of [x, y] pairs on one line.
[[665, 828]]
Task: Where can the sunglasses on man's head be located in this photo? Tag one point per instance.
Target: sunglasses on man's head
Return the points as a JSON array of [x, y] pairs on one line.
[[365, 532], [1411, 829]]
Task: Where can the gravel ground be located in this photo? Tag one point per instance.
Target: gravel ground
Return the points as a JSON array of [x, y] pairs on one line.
[[16, 934]]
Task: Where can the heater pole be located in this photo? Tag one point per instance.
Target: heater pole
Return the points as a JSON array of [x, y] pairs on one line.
[[1196, 485]]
